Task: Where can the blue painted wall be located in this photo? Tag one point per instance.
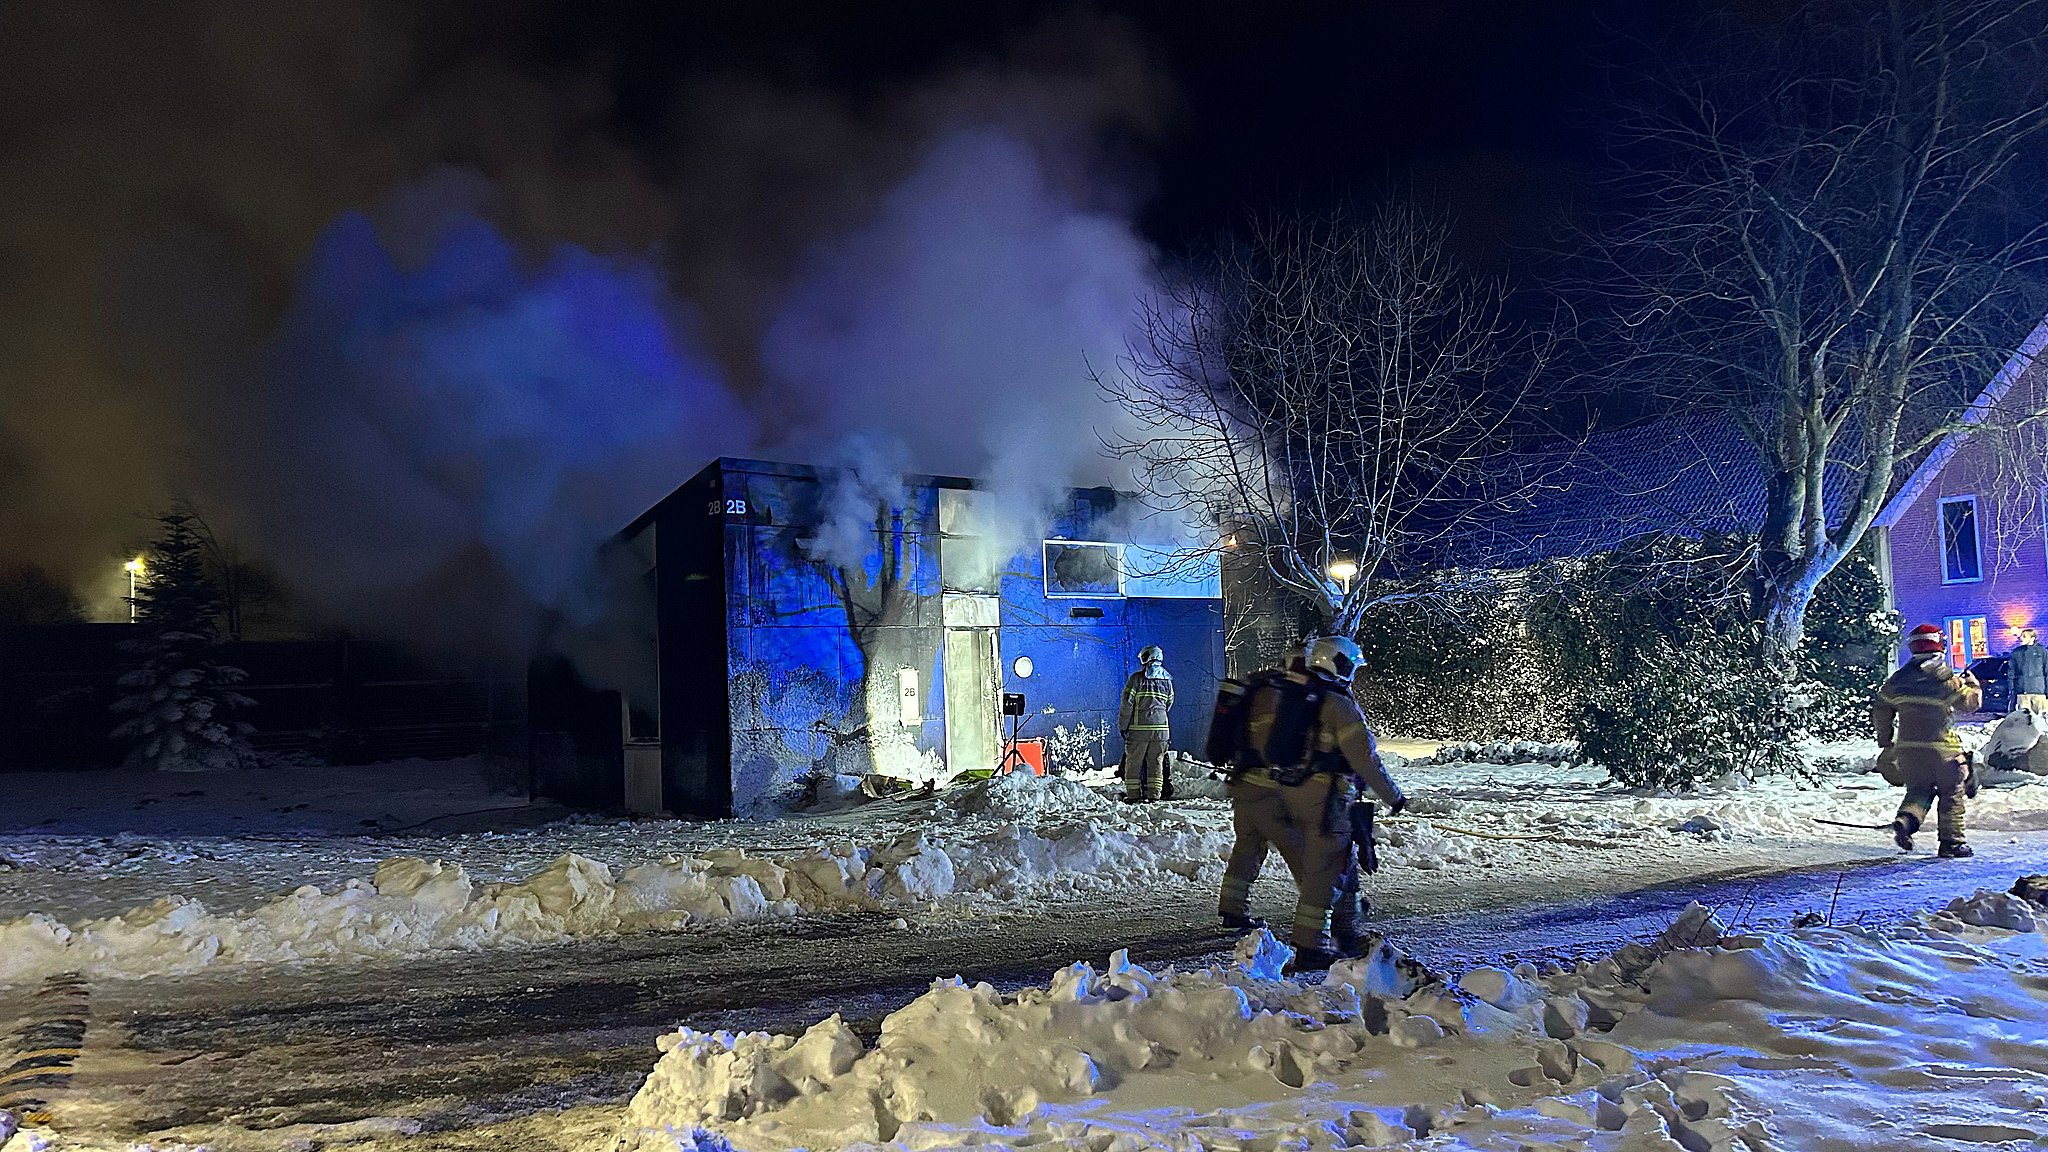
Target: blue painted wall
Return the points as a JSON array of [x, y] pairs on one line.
[[786, 670]]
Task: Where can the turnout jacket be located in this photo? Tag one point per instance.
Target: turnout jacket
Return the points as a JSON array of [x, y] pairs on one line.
[[1339, 742], [1148, 699], [1915, 710]]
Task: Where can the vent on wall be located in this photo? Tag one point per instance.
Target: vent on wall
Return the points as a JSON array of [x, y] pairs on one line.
[[1084, 613]]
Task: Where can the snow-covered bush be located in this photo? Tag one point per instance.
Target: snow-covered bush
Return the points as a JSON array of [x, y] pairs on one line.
[[1656, 638], [1689, 714], [1847, 653], [177, 695], [1072, 751], [1457, 665]]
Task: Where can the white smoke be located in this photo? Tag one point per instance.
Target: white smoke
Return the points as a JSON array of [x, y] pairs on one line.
[[864, 478], [960, 321]]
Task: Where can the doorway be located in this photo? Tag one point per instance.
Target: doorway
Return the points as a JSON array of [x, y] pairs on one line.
[[973, 689]]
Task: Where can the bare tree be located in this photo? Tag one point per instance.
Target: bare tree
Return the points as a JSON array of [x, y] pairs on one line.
[[1339, 396], [867, 545], [247, 588], [1827, 223]]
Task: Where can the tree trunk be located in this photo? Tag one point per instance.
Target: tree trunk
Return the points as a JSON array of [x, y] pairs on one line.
[[1781, 610]]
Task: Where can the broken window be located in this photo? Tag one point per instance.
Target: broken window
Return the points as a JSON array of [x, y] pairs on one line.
[[1084, 568]]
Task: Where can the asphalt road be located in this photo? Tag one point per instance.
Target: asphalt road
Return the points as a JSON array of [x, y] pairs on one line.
[[444, 1051]]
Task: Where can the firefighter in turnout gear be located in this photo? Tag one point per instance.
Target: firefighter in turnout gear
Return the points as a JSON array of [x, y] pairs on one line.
[[1914, 717], [1311, 751], [1148, 698]]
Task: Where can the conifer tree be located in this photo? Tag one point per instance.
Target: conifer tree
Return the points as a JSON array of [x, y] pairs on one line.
[[178, 695]]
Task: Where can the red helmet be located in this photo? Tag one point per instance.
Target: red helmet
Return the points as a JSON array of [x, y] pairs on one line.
[[1925, 639]]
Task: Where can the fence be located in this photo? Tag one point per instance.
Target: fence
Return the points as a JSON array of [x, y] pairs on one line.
[[338, 701]]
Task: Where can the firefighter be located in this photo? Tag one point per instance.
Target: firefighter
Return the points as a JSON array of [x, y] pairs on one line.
[[1316, 751], [1148, 698], [1914, 717], [1226, 748]]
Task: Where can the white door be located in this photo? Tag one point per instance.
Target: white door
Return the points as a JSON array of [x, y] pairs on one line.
[[973, 700]]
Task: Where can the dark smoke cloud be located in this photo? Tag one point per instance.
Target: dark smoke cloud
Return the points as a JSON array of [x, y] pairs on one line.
[[405, 412], [421, 324]]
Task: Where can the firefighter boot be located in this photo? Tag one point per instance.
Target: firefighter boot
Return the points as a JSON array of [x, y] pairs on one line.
[[1902, 832], [1353, 942], [1311, 960], [1239, 922], [1956, 851]]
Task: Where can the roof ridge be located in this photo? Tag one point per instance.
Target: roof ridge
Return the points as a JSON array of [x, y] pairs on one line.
[[1930, 466]]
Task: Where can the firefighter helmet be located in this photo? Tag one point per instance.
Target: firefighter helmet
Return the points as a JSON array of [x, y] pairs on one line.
[[1337, 657]]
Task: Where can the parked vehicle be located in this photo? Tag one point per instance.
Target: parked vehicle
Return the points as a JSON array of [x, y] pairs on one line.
[[1991, 672]]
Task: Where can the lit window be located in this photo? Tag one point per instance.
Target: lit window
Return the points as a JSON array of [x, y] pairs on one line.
[[1960, 562], [1969, 638], [1082, 568]]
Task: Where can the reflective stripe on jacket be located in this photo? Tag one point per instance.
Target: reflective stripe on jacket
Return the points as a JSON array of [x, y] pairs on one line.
[[1916, 707], [1148, 700]]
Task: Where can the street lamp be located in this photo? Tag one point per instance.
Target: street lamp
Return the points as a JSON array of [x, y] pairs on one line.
[[134, 568], [1343, 570]]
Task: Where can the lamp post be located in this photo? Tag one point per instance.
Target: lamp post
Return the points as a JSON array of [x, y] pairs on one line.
[[134, 568], [1342, 570]]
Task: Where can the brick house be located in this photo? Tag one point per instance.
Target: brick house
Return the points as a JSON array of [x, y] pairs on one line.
[[1964, 541]]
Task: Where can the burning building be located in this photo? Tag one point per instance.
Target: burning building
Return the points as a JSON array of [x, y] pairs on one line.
[[798, 623]]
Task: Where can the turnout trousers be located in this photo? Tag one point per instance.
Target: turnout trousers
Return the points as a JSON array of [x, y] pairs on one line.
[[1309, 824], [1144, 764], [1933, 781]]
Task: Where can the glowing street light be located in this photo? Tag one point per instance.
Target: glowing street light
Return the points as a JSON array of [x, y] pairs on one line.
[[134, 568], [1343, 570]]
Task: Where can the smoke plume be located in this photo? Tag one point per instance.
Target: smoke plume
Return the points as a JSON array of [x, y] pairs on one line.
[[420, 321]]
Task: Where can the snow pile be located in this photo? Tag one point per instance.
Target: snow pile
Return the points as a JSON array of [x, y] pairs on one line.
[[1928, 1033], [1020, 796], [1012, 839], [409, 905], [1505, 752]]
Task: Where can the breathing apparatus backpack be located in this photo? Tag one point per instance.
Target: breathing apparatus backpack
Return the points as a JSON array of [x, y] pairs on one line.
[[1286, 748]]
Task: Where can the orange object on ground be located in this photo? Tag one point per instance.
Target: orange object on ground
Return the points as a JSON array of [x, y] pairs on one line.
[[1033, 753]]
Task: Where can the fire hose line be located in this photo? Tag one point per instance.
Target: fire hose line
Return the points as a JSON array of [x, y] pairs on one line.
[[1567, 841]]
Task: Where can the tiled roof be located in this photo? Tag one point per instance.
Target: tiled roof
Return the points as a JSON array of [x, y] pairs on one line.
[[1979, 409], [1686, 474]]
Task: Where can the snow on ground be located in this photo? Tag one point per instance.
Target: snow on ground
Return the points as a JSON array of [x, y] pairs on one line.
[[1934, 1034], [164, 904]]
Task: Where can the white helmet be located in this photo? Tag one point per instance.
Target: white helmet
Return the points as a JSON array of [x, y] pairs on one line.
[[1337, 657], [1152, 654]]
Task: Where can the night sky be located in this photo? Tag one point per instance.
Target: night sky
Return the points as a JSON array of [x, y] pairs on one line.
[[1494, 106], [329, 271]]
